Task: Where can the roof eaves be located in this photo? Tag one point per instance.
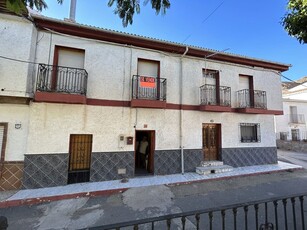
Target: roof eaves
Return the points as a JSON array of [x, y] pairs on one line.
[[219, 54]]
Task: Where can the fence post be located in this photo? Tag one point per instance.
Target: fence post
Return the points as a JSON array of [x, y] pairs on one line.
[[3, 223]]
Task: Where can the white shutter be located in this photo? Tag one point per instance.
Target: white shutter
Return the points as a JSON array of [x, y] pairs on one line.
[[243, 82], [149, 69], [70, 58]]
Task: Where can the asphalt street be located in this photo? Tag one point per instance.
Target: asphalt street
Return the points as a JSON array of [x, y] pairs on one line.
[[296, 158], [152, 201]]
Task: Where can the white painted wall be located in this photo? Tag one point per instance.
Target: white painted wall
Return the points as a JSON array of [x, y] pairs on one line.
[[16, 145], [51, 125], [282, 122], [17, 39], [110, 68]]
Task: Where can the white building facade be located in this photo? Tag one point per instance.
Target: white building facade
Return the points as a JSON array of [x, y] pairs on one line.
[[292, 125], [81, 113]]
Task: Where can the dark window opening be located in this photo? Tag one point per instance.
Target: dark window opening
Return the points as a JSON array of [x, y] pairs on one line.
[[249, 132]]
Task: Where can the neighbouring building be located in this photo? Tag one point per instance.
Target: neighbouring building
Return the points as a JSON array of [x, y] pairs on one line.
[[76, 102], [292, 125]]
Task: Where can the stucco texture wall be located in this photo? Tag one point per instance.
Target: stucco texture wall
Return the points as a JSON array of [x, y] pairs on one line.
[[52, 124], [16, 138], [112, 66], [16, 77]]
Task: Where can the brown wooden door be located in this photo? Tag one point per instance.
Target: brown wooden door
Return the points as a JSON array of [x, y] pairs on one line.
[[151, 151], [211, 134], [80, 152]]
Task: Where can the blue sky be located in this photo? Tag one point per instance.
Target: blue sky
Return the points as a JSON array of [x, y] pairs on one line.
[[250, 28]]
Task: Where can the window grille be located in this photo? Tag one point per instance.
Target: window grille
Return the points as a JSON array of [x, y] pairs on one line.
[[250, 132]]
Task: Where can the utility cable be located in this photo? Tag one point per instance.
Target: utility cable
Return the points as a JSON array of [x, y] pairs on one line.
[[18, 60], [203, 21]]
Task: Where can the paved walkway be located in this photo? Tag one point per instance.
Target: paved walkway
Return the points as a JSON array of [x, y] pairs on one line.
[[33, 196]]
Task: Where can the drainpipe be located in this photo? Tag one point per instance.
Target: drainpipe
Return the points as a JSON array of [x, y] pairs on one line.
[[181, 111]]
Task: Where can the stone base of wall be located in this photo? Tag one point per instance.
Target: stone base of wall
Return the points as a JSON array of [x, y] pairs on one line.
[[11, 175], [104, 166], [45, 170], [239, 157], [169, 161], [296, 146]]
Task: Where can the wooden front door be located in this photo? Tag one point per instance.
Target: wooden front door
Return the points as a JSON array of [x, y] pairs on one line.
[[80, 149], [211, 140]]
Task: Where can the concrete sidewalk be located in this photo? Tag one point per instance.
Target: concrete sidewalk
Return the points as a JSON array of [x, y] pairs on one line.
[[90, 189]]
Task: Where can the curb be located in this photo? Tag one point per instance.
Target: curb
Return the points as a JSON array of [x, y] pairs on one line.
[[39, 200]]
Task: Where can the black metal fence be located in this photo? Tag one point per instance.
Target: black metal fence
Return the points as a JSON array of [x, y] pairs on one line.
[[61, 79], [284, 213], [247, 98], [210, 96], [148, 88]]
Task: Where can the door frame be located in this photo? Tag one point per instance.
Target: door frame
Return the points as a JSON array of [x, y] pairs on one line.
[[80, 173], [218, 139], [151, 137]]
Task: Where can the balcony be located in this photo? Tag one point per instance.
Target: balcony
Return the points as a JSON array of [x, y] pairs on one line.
[[61, 84], [148, 92], [215, 99], [296, 118], [251, 101]]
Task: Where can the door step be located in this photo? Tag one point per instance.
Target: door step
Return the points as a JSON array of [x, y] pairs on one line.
[[211, 169]]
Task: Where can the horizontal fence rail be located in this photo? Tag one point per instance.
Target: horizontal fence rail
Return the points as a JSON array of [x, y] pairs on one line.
[[296, 118], [61, 79], [279, 213], [247, 98], [148, 88], [211, 95]]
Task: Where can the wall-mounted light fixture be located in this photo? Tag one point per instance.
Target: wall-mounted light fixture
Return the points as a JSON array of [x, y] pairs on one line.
[[18, 125]]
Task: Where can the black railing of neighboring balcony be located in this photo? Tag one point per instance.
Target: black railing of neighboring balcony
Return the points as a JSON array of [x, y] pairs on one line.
[[247, 98], [272, 213], [61, 79], [148, 88], [210, 96]]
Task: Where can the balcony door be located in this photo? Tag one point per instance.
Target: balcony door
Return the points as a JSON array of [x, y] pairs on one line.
[[246, 88], [293, 114], [212, 93], [67, 74], [148, 81], [211, 141]]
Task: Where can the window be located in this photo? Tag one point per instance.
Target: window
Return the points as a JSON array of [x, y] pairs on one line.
[[249, 132], [295, 133], [283, 136]]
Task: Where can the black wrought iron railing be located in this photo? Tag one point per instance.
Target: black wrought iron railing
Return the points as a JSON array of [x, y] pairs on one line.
[[279, 213], [148, 88], [61, 79], [247, 98], [211, 95], [296, 118]]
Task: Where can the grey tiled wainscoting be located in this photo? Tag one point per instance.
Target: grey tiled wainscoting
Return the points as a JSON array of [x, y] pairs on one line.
[[169, 161], [239, 157], [45, 170], [105, 165]]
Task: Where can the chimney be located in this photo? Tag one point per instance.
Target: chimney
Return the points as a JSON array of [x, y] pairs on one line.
[[72, 12]]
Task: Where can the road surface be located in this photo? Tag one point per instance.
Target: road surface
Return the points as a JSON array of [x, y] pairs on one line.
[[293, 157]]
